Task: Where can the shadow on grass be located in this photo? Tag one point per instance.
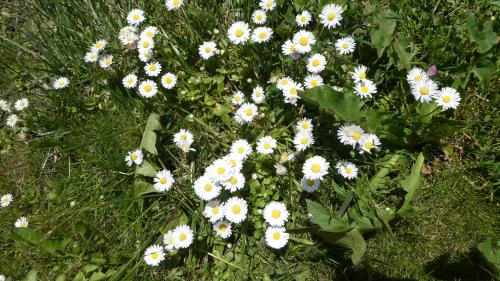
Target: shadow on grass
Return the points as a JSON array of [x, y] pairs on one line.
[[467, 267]]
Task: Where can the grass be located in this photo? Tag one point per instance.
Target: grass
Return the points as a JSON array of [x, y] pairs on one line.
[[69, 177]]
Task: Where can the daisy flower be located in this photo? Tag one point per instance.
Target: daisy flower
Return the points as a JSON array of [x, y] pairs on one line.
[[91, 56], [135, 17], [304, 125], [145, 55], [359, 74], [267, 5], [4, 105], [206, 189], [303, 41], [424, 90], [60, 83], [183, 236], [168, 240], [214, 211], [163, 181], [415, 75], [280, 169], [98, 46], [207, 50], [276, 237], [154, 255], [238, 98], [331, 15], [242, 148], [130, 81], [368, 142], [303, 140], [2, 278], [129, 39], [447, 98], [235, 160], [146, 43], [149, 32], [21, 222], [284, 82], [135, 156], [238, 33], [106, 61], [259, 17], [235, 209], [127, 30], [223, 229], [275, 213], [183, 140], [236, 182], [303, 18], [365, 89], [174, 4], [169, 80], [12, 120], [345, 45], [315, 168], [258, 95], [266, 145], [261, 34], [291, 92], [313, 80], [21, 104], [347, 169], [152, 69], [220, 170], [247, 112], [316, 63], [289, 48], [309, 185], [148, 88], [349, 134], [6, 199]]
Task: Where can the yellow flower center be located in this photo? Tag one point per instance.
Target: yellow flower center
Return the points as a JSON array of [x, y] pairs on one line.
[[284, 82], [148, 88], [208, 187], [249, 112], [293, 91], [257, 94], [222, 228], [176, 3], [304, 41], [331, 16], [182, 236], [418, 77], [316, 168], [447, 99], [221, 170], [315, 63], [239, 32], [241, 149], [107, 62], [275, 214], [130, 80], [215, 210], [303, 18], [348, 170], [163, 180], [364, 89], [208, 50], [23, 224], [237, 98], [236, 209], [345, 45], [168, 79], [5, 199], [145, 44], [170, 240], [424, 91], [234, 181], [269, 4], [309, 182], [259, 17], [314, 82], [152, 67], [362, 75], [61, 83], [11, 119], [276, 236], [21, 103], [136, 17], [133, 156], [98, 45], [267, 145], [356, 136], [369, 145], [262, 35], [233, 162], [154, 256], [184, 137], [149, 33], [305, 126], [304, 141]]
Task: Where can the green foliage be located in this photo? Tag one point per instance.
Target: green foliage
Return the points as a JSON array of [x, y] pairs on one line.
[[148, 141], [490, 249], [412, 185]]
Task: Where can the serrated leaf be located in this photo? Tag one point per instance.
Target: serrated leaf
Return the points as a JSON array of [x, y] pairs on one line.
[[380, 178], [484, 69], [486, 38], [325, 220], [146, 169], [27, 235], [412, 185], [404, 57], [148, 141]]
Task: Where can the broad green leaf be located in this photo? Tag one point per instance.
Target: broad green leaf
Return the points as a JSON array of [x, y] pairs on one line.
[[31, 276], [484, 69], [52, 246], [352, 240], [486, 38], [27, 235], [490, 250], [373, 120], [325, 220], [380, 178], [346, 107], [427, 110], [97, 276], [141, 188], [412, 185], [148, 142], [146, 169], [380, 40], [404, 57]]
